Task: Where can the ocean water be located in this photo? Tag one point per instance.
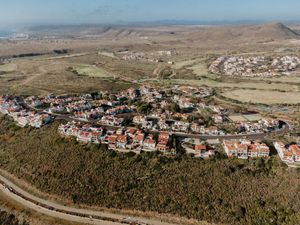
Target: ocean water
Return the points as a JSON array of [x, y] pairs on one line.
[[4, 34]]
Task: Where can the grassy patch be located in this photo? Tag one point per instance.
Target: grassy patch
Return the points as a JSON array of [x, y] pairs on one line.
[[10, 67], [263, 97], [281, 79], [237, 84], [108, 54], [92, 71], [181, 64]]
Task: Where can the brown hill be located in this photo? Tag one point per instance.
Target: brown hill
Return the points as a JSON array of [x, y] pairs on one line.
[[181, 34], [249, 33]]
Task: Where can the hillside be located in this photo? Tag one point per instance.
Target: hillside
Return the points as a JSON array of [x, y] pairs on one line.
[[267, 32], [220, 190], [246, 33]]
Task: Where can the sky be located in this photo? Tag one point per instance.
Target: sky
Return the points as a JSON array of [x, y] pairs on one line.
[[18, 12]]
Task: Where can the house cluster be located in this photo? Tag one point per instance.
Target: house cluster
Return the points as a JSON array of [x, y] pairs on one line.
[[165, 53], [150, 57], [186, 98], [123, 139], [176, 109], [111, 121], [23, 117], [83, 107], [59, 103], [139, 56], [245, 149], [254, 66], [289, 153], [261, 126], [163, 118], [159, 122], [198, 92]]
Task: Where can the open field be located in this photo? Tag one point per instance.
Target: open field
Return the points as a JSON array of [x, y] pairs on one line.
[[92, 71], [264, 97], [237, 84], [181, 64], [10, 67], [42, 77], [294, 79], [199, 68], [108, 54]]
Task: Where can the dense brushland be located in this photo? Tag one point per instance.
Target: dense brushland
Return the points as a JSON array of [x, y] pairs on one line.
[[9, 219], [219, 190]]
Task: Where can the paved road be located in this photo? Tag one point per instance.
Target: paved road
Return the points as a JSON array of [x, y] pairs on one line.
[[252, 136], [68, 213]]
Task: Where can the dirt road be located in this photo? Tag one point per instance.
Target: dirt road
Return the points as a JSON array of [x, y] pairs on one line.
[[69, 213]]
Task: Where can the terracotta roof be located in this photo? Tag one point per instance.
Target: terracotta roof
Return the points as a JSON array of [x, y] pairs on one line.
[[200, 147], [112, 138], [295, 150], [122, 138], [253, 148], [138, 137], [149, 141], [131, 130], [232, 148], [84, 134], [164, 136], [287, 153]]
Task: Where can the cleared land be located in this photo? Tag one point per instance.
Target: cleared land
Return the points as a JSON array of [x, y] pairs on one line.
[[108, 54], [10, 67], [264, 97], [181, 64], [295, 79], [237, 84], [92, 71], [199, 69]]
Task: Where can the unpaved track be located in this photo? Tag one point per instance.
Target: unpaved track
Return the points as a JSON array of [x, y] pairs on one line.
[[67, 213]]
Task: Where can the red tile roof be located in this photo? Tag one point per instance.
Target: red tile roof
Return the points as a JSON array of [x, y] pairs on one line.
[[200, 147]]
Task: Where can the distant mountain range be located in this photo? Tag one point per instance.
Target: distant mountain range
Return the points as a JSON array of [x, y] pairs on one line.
[[246, 33]]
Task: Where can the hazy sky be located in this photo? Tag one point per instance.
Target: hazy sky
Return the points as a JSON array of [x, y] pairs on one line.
[[114, 11]]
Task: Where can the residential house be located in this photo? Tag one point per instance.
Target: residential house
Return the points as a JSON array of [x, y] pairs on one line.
[[288, 153], [121, 141], [245, 149], [149, 143], [163, 142]]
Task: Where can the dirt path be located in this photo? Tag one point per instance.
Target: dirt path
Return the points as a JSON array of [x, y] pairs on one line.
[[68, 213]]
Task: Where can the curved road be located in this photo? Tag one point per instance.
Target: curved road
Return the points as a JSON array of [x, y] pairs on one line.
[[253, 136], [55, 210]]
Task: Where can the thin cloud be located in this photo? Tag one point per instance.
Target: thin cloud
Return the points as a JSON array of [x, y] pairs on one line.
[[106, 10]]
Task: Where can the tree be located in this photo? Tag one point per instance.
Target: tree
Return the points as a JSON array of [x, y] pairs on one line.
[[113, 98], [174, 107], [144, 108]]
